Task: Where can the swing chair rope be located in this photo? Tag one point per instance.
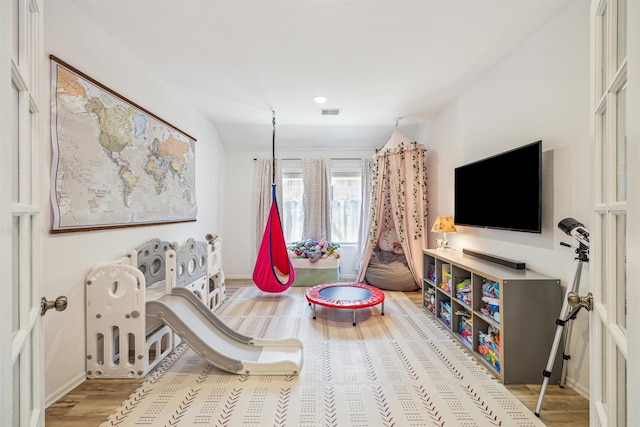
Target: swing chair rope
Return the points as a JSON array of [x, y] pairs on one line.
[[273, 149]]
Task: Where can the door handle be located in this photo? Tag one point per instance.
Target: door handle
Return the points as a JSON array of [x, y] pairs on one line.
[[576, 300], [60, 304]]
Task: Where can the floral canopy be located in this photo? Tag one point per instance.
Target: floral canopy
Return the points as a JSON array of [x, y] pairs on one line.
[[399, 201]]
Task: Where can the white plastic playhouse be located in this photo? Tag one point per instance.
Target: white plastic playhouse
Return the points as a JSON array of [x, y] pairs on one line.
[[122, 340], [141, 306]]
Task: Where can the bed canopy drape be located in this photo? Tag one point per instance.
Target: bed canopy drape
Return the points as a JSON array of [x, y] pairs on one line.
[[398, 202]]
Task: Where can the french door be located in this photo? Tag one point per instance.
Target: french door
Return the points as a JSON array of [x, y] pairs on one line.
[[21, 361], [613, 344]]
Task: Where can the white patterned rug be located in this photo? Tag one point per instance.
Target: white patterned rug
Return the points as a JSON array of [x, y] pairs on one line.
[[399, 370]]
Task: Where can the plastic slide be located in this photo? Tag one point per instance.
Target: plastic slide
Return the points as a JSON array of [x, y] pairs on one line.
[[220, 345]]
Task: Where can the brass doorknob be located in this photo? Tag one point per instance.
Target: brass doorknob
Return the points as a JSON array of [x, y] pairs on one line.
[[60, 304], [575, 300]]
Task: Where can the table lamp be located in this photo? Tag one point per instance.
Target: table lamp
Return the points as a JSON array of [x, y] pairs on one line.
[[443, 224]]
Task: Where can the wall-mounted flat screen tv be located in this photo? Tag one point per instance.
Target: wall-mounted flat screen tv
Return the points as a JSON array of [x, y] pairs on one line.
[[501, 192]]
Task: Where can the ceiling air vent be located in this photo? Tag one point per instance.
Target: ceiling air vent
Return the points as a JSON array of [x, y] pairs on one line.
[[330, 111]]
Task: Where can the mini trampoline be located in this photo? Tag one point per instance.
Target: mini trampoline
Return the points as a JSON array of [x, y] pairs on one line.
[[345, 295]]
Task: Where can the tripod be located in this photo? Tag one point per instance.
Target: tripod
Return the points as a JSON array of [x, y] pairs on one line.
[[574, 300]]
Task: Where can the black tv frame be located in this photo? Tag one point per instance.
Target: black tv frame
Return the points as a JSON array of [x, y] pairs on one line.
[[492, 192]]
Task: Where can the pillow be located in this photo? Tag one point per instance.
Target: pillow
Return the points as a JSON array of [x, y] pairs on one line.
[[387, 238]]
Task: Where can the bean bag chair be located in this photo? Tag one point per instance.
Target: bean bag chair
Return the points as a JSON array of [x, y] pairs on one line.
[[390, 271]]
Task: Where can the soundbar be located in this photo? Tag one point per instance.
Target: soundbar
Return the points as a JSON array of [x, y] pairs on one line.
[[518, 265]]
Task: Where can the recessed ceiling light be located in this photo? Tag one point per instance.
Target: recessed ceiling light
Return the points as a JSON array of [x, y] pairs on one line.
[[320, 99]]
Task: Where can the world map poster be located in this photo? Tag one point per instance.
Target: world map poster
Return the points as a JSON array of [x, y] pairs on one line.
[[114, 163]]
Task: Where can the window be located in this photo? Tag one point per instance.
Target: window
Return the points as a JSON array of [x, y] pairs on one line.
[[346, 203], [292, 212], [345, 199]]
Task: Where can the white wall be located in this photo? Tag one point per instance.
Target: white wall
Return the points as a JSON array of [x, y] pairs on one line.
[[539, 92], [68, 257]]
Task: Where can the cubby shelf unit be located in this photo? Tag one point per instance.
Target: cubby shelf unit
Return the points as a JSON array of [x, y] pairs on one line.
[[504, 317]]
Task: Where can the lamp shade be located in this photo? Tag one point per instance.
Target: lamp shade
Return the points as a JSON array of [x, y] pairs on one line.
[[444, 224]]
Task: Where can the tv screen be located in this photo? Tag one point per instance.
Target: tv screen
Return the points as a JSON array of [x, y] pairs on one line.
[[502, 192]]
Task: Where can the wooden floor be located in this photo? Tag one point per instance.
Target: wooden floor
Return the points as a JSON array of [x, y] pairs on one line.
[[90, 403]]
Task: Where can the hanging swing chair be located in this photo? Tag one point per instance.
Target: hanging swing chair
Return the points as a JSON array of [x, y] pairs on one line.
[[273, 271]]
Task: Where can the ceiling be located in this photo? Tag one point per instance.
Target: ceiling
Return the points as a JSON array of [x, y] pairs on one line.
[[379, 62]]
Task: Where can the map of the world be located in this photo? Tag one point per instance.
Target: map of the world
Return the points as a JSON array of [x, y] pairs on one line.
[[114, 163]]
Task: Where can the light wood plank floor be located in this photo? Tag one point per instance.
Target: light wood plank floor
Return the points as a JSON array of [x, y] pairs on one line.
[[90, 403]]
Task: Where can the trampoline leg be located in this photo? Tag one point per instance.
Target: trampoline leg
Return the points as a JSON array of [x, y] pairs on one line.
[[314, 311], [382, 307], [354, 317]]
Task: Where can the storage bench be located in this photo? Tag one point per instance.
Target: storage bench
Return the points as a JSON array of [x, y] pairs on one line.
[[326, 270]]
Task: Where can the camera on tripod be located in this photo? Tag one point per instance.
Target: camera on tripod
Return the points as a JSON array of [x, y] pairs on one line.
[[575, 229]]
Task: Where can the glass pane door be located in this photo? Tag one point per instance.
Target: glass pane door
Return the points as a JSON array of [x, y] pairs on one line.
[[22, 354], [608, 394]]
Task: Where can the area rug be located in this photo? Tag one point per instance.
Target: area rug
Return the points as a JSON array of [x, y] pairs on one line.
[[397, 369]]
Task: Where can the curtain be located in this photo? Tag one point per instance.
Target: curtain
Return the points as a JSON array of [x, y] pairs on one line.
[[264, 179], [399, 201], [367, 167], [317, 211]]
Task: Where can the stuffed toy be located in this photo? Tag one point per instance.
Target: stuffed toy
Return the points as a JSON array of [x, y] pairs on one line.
[[397, 248], [314, 249]]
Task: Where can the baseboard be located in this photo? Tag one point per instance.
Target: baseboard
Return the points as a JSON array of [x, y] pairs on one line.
[[237, 277], [577, 387], [64, 389], [518, 265], [343, 277]]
